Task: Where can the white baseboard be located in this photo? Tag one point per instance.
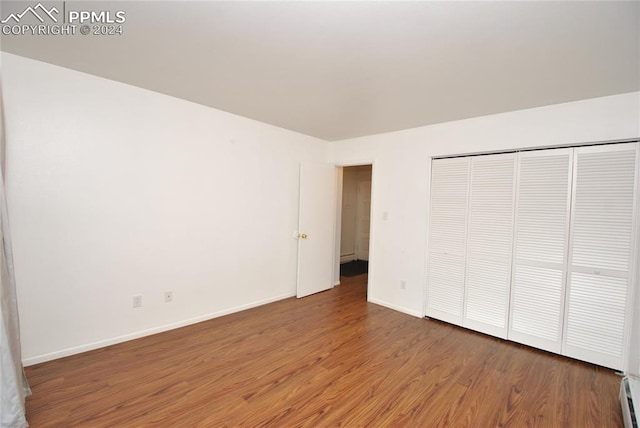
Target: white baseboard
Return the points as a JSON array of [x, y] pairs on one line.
[[416, 314], [148, 332]]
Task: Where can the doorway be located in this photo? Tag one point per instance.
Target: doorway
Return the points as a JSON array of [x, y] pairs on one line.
[[355, 220]]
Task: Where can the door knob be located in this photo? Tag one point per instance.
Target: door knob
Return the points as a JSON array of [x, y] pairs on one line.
[[303, 236]]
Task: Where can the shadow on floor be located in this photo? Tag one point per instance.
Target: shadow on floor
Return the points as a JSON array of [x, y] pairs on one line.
[[356, 267]]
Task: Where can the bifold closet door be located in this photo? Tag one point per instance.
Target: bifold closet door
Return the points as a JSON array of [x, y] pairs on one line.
[[447, 239], [540, 251], [600, 253], [489, 243]]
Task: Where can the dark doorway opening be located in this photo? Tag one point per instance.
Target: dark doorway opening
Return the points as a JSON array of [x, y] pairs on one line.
[[353, 268]]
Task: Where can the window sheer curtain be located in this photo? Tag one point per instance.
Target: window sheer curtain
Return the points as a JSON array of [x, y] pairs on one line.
[[13, 383]]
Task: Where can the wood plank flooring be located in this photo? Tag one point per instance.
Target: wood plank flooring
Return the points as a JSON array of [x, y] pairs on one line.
[[330, 359]]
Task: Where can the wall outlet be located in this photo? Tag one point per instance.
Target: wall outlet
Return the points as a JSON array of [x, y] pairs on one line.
[[168, 296], [403, 284], [137, 301]]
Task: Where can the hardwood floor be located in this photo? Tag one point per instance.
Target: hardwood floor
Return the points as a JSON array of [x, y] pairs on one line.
[[330, 359]]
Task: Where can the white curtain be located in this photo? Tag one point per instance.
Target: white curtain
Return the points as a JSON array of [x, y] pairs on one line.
[[13, 383]]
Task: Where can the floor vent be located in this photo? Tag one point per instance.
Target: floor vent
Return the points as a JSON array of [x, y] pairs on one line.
[[629, 390]]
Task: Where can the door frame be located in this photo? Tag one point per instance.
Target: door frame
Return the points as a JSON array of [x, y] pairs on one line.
[[631, 349], [359, 213], [372, 225]]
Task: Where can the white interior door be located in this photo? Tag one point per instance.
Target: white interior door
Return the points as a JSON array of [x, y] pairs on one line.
[[600, 250], [316, 228], [447, 239], [540, 254], [489, 243], [363, 220]]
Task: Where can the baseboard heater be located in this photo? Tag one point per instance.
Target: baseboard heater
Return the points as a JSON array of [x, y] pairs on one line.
[[629, 400]]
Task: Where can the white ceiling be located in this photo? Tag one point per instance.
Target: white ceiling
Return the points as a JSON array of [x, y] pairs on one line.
[[337, 70]]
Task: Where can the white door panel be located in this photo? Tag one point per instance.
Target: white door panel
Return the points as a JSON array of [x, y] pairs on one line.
[[489, 243], [363, 220], [447, 239], [316, 228], [596, 318], [536, 308], [540, 250], [445, 292], [599, 281]]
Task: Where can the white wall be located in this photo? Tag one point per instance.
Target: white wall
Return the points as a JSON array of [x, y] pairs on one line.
[[349, 223], [402, 171], [115, 191]]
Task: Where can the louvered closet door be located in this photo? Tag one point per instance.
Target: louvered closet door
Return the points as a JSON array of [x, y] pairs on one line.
[[489, 243], [447, 239], [543, 198], [600, 253]]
